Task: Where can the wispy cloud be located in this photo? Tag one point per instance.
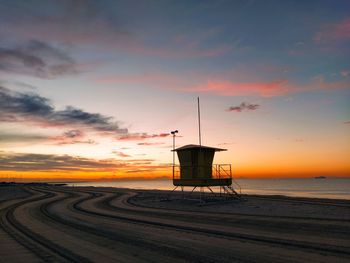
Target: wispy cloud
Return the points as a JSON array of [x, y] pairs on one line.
[[345, 73], [155, 79], [195, 82], [121, 154], [20, 84], [230, 88], [133, 171], [15, 137], [141, 136], [244, 106], [37, 59], [93, 24], [33, 108], [269, 89], [200, 83], [149, 168], [226, 143], [172, 50], [72, 137], [69, 137], [336, 32], [346, 122], [77, 22], [89, 23], [150, 143]]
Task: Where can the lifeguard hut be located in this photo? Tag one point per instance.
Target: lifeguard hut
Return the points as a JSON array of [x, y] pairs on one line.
[[196, 167]]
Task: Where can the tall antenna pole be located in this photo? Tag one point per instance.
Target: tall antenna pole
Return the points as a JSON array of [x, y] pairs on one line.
[[199, 124], [174, 135]]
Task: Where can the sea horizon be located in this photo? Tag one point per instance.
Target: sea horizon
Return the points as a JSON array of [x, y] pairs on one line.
[[330, 187], [312, 187]]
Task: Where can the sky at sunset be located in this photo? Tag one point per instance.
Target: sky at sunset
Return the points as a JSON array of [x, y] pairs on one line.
[[92, 89]]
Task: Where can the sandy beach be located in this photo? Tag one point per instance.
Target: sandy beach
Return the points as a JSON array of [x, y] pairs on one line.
[[96, 224]]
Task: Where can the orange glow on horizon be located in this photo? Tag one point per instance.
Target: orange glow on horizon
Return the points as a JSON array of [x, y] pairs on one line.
[[159, 174]]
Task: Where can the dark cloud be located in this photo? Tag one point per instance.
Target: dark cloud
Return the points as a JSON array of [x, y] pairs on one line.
[[244, 106], [141, 136], [49, 162], [23, 104], [34, 109], [37, 59], [346, 122], [96, 120], [30, 107], [10, 161], [73, 134]]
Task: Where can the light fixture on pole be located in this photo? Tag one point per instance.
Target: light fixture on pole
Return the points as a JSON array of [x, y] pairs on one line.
[[174, 135]]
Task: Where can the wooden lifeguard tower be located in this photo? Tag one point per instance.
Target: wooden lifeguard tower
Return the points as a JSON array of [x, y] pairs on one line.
[[196, 168]]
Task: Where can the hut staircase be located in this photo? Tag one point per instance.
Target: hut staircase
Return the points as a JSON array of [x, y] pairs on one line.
[[231, 192]]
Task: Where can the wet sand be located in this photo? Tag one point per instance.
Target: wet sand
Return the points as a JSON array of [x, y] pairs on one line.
[[89, 224]]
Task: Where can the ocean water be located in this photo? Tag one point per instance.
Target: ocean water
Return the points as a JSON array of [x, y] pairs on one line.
[[335, 188]]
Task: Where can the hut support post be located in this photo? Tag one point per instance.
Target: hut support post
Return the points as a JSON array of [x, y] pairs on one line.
[[194, 188], [172, 192], [211, 191]]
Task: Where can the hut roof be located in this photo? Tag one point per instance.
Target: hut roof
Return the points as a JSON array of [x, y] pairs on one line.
[[195, 146]]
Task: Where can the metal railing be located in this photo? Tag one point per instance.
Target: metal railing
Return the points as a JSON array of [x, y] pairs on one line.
[[218, 171]]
